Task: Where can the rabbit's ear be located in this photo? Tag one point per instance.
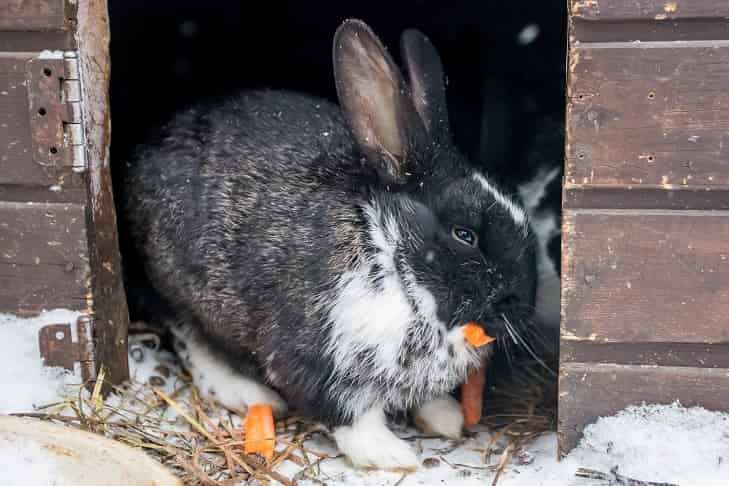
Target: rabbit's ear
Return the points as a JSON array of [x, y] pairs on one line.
[[427, 82], [377, 104]]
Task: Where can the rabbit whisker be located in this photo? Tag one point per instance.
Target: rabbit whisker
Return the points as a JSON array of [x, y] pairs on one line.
[[515, 335]]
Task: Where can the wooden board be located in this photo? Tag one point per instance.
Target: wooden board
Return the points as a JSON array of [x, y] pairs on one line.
[[29, 15], [111, 316], [590, 390], [645, 255], [649, 115], [58, 235], [44, 257], [34, 122], [697, 355], [646, 276], [648, 9], [82, 458]]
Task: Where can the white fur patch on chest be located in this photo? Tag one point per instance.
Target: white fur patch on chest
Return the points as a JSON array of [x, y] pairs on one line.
[[371, 318], [378, 316]]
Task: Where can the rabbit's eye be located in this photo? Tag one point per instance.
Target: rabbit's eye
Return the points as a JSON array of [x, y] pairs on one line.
[[465, 236]]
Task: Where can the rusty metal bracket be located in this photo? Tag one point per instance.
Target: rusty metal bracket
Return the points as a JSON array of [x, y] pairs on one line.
[[57, 347]]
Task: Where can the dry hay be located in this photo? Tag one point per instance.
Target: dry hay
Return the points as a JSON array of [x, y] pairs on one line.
[[202, 443]]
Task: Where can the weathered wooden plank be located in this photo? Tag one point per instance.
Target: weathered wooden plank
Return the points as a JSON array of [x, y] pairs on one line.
[[654, 354], [645, 276], [74, 191], [15, 135], [684, 29], [588, 391], [648, 9], [27, 15], [43, 257], [654, 114], [36, 149], [645, 263], [111, 316], [36, 41], [646, 197]]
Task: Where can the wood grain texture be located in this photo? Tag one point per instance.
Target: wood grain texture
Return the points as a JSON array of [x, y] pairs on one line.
[[641, 197], [74, 191], [15, 134], [36, 152], [648, 115], [645, 236], [588, 391], [697, 355], [648, 9], [43, 257], [683, 29], [36, 41], [39, 15], [111, 316], [645, 276]]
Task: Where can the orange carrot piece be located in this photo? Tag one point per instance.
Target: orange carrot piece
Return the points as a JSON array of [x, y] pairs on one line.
[[260, 431], [475, 335], [472, 396]]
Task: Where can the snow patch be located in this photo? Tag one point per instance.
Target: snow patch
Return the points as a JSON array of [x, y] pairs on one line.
[[656, 443], [25, 382], [48, 54], [669, 443]]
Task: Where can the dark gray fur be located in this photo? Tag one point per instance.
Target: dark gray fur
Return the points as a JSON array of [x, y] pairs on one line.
[[248, 210]]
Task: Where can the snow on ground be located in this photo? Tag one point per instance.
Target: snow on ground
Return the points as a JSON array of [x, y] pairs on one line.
[[24, 382], [658, 443], [669, 443]]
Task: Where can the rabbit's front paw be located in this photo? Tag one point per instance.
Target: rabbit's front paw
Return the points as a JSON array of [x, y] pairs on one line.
[[442, 416], [368, 444], [218, 380]]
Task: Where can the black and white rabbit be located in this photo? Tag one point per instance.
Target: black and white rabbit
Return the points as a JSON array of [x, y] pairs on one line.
[[522, 147], [332, 254]]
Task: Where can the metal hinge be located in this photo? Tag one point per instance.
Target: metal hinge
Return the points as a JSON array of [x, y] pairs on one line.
[[74, 128], [67, 346], [55, 105]]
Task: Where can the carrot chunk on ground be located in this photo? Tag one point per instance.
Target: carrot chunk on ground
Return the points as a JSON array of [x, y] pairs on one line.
[[472, 396], [475, 335], [260, 431]]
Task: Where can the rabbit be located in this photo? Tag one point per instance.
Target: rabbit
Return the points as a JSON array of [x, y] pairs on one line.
[[529, 165], [326, 258], [540, 191], [538, 184]]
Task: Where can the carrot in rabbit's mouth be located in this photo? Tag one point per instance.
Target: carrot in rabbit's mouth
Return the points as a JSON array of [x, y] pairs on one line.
[[475, 335], [472, 388]]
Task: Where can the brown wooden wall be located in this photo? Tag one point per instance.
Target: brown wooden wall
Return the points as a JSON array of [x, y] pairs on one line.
[[645, 291], [58, 237]]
